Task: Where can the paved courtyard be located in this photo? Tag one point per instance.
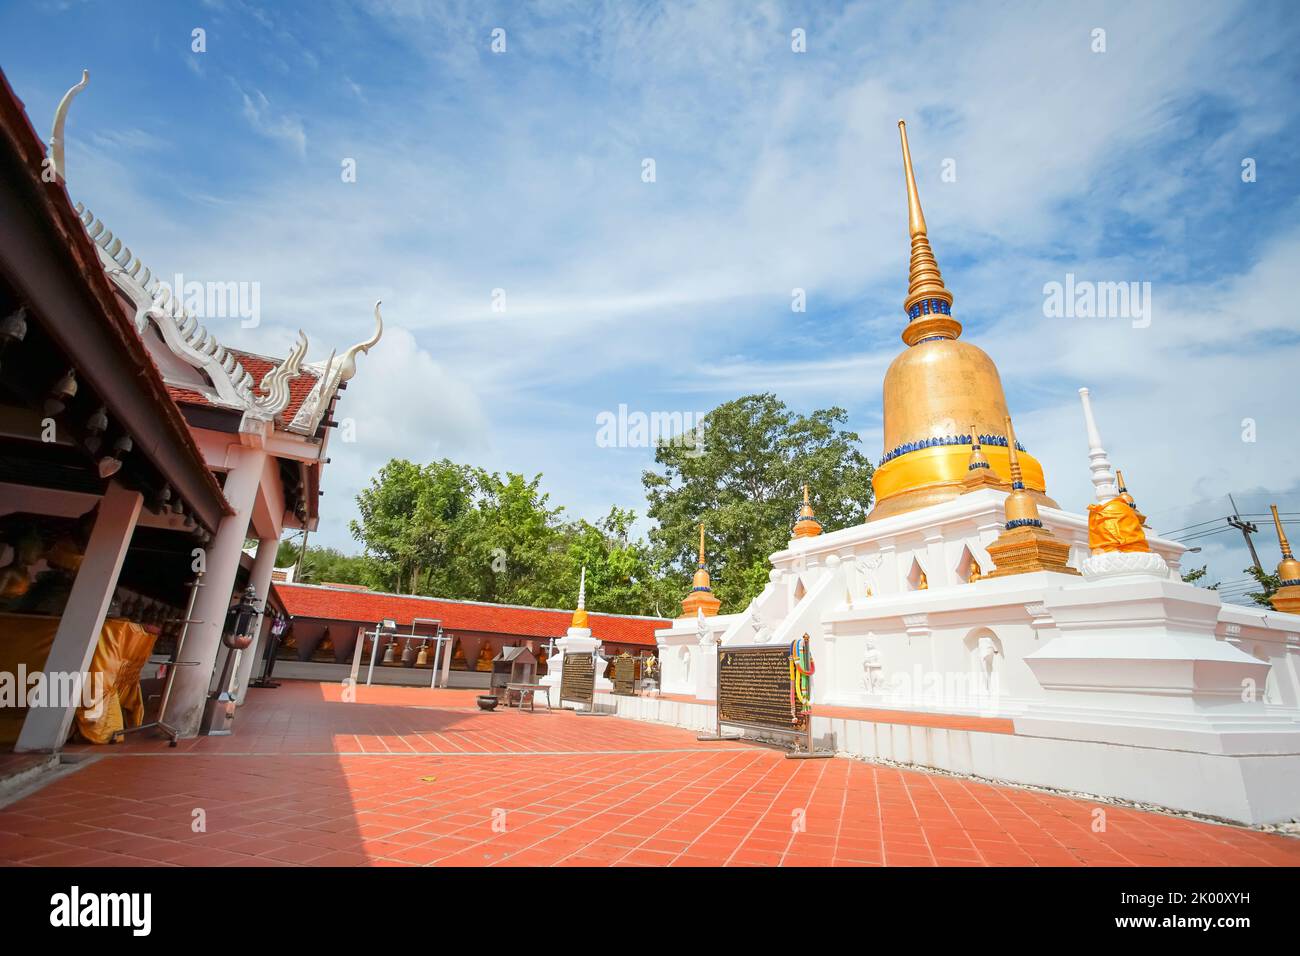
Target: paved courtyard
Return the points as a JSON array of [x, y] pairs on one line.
[[418, 777]]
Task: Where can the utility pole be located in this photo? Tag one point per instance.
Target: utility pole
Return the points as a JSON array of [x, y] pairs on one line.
[[1247, 528]]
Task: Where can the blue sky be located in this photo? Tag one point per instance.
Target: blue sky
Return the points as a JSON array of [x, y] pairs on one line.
[[775, 170]]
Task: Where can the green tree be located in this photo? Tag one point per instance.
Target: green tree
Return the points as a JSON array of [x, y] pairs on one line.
[[410, 517], [743, 479], [1196, 574], [1268, 583]]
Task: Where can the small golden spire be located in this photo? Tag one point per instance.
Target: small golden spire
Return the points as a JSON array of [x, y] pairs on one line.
[[1287, 596], [1024, 544], [1128, 499], [929, 303], [1024, 507], [977, 457], [1281, 535], [807, 526], [701, 596]]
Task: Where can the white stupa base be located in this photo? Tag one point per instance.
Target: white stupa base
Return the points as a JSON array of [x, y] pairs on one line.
[[578, 640]]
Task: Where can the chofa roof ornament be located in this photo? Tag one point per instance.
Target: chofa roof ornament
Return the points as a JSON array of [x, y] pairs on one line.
[[188, 339], [60, 118]]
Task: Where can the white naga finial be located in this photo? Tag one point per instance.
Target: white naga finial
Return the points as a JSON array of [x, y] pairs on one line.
[[348, 364], [61, 117], [1103, 476]]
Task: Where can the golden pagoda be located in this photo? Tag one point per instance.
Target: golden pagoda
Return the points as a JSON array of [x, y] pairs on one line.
[[936, 389], [979, 474], [701, 597], [1024, 544], [1287, 596], [807, 526]]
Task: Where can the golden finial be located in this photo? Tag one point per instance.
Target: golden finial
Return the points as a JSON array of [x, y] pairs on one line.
[[1128, 498], [1024, 544], [701, 598], [1287, 596], [1281, 535], [929, 303], [1016, 478], [977, 457], [807, 526]]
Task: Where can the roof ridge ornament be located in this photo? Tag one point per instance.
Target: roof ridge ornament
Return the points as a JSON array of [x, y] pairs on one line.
[[275, 383], [348, 364], [60, 119]]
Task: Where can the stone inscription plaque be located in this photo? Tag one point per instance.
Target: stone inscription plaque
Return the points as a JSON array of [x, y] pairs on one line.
[[754, 687], [625, 675], [578, 678]]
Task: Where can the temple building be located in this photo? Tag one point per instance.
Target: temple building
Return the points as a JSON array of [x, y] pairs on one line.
[[141, 454], [329, 625], [972, 624]]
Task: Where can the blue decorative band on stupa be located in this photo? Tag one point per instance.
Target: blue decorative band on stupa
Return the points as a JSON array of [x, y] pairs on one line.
[[1024, 523], [977, 464], [929, 307], [1289, 584], [906, 447], [700, 589]]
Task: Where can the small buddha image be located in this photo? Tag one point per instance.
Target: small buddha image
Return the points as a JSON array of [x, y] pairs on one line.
[[458, 662], [485, 656]]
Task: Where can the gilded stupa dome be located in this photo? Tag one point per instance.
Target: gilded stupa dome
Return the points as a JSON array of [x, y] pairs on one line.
[[939, 395]]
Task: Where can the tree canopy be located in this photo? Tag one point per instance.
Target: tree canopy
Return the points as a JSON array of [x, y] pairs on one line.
[[457, 531], [743, 479]]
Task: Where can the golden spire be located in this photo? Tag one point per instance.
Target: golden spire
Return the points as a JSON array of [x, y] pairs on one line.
[[701, 597], [1024, 544], [929, 303], [807, 526], [1287, 596], [1128, 499], [977, 457]]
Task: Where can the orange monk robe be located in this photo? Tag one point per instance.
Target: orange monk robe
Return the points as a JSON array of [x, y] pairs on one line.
[[1115, 526]]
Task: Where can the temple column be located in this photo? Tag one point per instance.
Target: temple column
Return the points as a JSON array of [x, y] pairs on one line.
[[260, 579], [46, 728], [190, 689]]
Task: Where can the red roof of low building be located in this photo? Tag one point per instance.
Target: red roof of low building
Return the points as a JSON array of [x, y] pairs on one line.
[[371, 607]]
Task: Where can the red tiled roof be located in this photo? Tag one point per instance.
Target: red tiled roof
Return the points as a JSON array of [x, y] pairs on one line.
[[370, 607], [300, 385]]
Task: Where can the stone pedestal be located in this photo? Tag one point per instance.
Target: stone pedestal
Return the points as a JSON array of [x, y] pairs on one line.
[[578, 640], [1137, 664]]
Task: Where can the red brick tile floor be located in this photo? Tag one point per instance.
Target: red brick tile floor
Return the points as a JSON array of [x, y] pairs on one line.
[[407, 776]]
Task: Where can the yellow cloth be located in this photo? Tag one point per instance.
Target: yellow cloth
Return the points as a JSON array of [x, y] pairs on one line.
[[120, 655], [122, 652], [1115, 526]]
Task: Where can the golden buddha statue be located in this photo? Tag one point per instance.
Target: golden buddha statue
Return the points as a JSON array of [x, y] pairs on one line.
[[485, 655], [937, 389]]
